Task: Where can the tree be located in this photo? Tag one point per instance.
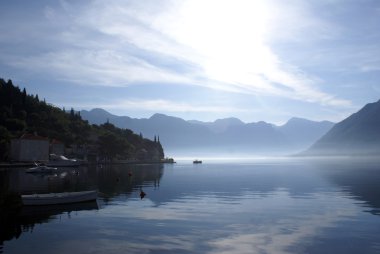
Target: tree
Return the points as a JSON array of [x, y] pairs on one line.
[[14, 124], [23, 97], [20, 112], [72, 113], [111, 145]]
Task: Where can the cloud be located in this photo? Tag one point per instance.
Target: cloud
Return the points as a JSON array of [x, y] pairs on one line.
[[222, 45], [159, 105], [98, 67]]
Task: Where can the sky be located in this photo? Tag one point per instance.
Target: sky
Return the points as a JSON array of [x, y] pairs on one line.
[[267, 60]]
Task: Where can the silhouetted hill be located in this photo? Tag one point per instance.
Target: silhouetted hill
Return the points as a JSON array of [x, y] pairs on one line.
[[359, 134], [229, 135], [22, 113]]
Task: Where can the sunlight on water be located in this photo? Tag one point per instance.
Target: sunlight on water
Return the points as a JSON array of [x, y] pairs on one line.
[[213, 208], [233, 159]]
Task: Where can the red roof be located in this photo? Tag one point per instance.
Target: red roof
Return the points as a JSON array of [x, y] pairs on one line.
[[55, 141], [32, 137]]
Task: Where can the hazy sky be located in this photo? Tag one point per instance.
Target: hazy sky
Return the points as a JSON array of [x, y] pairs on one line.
[[255, 60]]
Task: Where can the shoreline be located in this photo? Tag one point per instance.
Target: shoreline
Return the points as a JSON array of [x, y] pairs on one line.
[[29, 164]]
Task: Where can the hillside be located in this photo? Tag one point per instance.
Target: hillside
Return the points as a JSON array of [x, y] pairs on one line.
[[23, 113], [359, 134]]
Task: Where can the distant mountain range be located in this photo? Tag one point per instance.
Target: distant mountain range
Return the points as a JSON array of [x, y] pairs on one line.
[[359, 134], [229, 135]]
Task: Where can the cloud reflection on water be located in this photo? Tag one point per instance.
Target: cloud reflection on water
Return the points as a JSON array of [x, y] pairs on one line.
[[273, 223], [213, 209]]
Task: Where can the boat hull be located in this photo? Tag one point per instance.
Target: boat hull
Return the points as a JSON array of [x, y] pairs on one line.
[[59, 198], [64, 163], [40, 169]]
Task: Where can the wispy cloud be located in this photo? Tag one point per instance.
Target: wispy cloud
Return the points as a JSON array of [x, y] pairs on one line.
[[98, 67], [158, 105], [222, 45]]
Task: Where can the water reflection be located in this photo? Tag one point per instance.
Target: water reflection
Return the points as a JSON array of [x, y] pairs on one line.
[[109, 181], [359, 179], [287, 207], [17, 221], [113, 181]]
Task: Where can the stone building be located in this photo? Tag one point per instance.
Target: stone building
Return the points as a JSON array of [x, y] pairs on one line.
[[30, 148]]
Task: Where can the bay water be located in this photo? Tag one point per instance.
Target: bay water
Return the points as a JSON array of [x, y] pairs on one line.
[[221, 206]]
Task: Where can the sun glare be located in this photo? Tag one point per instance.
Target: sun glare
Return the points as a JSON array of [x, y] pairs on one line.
[[227, 36]]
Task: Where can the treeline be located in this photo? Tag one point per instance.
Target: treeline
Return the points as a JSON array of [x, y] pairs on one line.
[[25, 113]]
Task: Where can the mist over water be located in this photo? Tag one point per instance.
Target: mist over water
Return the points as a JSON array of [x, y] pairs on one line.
[[215, 156], [224, 205], [288, 156]]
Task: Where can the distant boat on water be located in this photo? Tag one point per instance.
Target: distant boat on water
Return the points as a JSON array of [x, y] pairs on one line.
[[197, 162]]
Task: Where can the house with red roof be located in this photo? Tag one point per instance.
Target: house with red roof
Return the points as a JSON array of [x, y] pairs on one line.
[[30, 147]]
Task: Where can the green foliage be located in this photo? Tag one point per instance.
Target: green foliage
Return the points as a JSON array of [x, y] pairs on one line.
[[111, 145], [20, 113], [14, 124]]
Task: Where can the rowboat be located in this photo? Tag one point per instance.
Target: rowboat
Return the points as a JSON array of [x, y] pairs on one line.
[[40, 169], [59, 198]]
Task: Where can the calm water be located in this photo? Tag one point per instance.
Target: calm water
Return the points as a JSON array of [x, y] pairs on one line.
[[248, 207]]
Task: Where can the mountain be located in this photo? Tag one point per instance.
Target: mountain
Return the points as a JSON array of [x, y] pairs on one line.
[[229, 135], [100, 116], [304, 132], [359, 134], [219, 125], [173, 132]]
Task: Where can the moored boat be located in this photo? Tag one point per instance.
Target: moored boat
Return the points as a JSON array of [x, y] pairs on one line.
[[197, 162], [41, 169], [59, 198], [62, 161]]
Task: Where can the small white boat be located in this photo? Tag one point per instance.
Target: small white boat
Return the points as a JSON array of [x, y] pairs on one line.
[[59, 198], [40, 169], [62, 161]]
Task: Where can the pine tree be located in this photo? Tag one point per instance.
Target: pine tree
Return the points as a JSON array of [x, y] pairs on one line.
[[23, 97]]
